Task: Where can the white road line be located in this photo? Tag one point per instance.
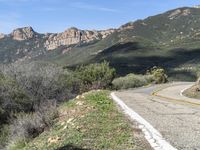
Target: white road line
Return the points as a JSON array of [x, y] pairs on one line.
[[151, 134]]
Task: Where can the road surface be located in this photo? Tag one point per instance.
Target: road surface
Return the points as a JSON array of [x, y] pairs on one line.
[[176, 117]]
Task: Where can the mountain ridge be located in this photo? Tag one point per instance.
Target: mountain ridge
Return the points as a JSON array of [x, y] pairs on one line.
[[169, 39]]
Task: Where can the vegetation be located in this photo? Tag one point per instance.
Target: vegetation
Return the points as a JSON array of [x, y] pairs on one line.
[[155, 75], [95, 76], [28, 126], [91, 121], [194, 91], [12, 98], [30, 93], [131, 81], [158, 75], [159, 40], [156, 40]]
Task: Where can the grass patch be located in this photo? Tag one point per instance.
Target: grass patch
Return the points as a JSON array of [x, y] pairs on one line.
[[91, 121]]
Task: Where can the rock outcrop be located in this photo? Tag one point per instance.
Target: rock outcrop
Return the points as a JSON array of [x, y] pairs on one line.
[[71, 36], [21, 34], [178, 13], [74, 36]]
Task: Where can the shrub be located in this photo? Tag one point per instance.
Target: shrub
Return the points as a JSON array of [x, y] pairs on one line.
[[131, 81], [45, 83], [159, 75], [27, 126], [154, 75], [28, 93], [4, 134], [12, 98], [47, 111], [95, 76], [40, 81]]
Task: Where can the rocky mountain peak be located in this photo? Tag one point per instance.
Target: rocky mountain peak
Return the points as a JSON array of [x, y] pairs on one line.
[[24, 33], [73, 36], [179, 12]]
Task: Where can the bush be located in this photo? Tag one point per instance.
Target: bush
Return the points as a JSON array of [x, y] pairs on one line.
[[155, 75], [47, 111], [4, 134], [28, 126], [95, 76], [28, 93], [12, 98], [159, 75], [131, 81], [39, 81]]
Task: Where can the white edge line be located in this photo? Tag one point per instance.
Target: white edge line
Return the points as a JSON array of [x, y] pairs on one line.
[[154, 138]]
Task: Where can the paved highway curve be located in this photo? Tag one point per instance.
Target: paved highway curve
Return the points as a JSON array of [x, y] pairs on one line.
[[176, 117]]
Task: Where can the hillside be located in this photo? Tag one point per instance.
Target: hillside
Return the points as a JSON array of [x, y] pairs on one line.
[[25, 44], [78, 123], [170, 40]]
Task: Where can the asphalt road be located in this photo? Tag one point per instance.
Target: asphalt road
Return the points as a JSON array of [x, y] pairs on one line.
[[176, 117]]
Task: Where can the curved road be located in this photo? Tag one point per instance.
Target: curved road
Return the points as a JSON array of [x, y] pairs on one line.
[[176, 117]]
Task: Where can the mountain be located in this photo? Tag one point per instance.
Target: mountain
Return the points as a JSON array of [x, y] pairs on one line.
[[25, 44], [170, 40]]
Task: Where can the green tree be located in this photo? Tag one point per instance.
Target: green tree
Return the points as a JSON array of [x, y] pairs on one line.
[[159, 75], [95, 76]]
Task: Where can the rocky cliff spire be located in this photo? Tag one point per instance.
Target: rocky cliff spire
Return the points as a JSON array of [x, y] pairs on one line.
[[23, 33]]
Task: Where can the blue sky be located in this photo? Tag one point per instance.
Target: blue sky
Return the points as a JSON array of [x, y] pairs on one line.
[[58, 15]]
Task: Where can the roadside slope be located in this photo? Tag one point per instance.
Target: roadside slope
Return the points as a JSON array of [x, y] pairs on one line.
[[91, 121]]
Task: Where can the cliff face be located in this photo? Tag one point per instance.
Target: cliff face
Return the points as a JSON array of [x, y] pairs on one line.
[[24, 43], [71, 36], [74, 36], [21, 34]]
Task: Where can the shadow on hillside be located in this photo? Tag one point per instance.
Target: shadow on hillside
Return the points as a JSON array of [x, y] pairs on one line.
[[129, 57], [122, 47], [183, 75], [71, 147]]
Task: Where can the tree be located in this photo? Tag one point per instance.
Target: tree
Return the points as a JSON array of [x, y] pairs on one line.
[[159, 75], [95, 76]]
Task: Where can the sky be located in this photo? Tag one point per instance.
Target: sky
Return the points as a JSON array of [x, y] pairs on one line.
[[58, 15]]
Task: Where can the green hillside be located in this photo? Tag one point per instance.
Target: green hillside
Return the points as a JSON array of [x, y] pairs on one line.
[[170, 40]]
